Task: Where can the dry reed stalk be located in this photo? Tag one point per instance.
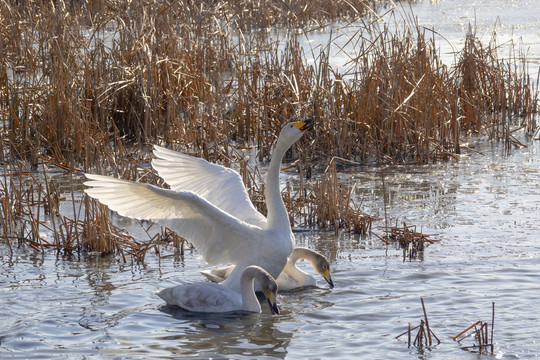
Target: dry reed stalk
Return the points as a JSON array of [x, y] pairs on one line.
[[7, 213], [412, 242], [250, 15], [83, 84], [398, 109], [495, 91], [327, 204], [425, 335], [98, 233], [17, 217], [27, 210], [483, 340]]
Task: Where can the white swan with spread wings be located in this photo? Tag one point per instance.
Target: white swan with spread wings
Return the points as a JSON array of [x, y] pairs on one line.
[[209, 206]]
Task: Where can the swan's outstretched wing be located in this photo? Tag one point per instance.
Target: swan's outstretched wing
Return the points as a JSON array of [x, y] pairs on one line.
[[219, 237], [221, 186]]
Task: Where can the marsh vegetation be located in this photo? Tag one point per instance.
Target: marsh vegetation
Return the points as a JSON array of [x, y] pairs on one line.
[[89, 86]]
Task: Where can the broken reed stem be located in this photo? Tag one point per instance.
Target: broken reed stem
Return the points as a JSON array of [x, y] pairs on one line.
[[424, 335], [481, 333], [426, 319], [418, 341], [492, 324], [385, 204], [464, 331], [409, 336], [412, 242]]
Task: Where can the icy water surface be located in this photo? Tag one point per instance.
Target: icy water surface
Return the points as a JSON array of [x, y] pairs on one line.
[[512, 25], [484, 210]]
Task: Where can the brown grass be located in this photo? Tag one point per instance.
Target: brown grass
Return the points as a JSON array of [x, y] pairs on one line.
[[327, 204], [494, 92], [87, 85], [412, 242]]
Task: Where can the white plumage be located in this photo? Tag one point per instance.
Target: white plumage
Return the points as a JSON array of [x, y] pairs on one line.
[[209, 206], [291, 278], [214, 298]]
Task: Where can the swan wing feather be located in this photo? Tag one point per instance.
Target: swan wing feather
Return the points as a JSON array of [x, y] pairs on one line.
[[219, 236], [220, 185], [218, 274]]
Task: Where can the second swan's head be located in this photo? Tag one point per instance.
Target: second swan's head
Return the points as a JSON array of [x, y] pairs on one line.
[[322, 266], [269, 288]]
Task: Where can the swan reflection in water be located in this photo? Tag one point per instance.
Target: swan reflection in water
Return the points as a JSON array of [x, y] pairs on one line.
[[226, 334]]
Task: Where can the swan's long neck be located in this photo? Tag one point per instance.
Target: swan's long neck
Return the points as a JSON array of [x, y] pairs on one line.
[[277, 213], [249, 299], [298, 253], [290, 268]]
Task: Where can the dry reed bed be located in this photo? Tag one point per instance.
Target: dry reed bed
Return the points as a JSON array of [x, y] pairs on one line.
[[169, 72], [30, 215], [88, 85]]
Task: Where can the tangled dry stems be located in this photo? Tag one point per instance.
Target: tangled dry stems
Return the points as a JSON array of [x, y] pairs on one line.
[[86, 85]]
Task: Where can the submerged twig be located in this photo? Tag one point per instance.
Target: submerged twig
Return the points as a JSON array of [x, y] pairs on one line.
[[481, 338], [412, 242], [424, 335]]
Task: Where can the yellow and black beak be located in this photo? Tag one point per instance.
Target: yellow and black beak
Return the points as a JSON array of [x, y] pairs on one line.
[[306, 124], [272, 302], [328, 277]]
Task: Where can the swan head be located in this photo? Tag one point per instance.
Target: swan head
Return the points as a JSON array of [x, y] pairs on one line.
[[293, 131], [322, 267], [269, 288]]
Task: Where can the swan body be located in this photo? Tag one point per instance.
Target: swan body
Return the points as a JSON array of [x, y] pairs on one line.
[[209, 206], [215, 298], [291, 277]]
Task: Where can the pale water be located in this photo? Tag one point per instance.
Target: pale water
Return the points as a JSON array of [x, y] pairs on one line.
[[513, 25], [483, 210]]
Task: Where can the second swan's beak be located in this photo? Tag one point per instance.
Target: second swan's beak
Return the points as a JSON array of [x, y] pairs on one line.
[[273, 303], [306, 124], [328, 278]]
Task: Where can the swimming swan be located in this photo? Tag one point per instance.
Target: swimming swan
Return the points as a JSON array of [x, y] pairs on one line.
[[291, 277], [210, 207], [214, 298]]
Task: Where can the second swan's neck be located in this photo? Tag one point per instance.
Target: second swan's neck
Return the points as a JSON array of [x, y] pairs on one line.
[[249, 299], [300, 277], [300, 253], [277, 213]]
